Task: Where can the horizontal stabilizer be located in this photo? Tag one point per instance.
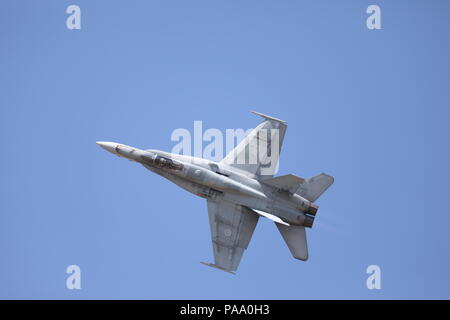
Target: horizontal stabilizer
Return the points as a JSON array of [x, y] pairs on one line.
[[271, 217], [313, 187], [295, 238], [287, 182]]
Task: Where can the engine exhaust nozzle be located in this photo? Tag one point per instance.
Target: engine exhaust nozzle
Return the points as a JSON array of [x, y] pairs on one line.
[[308, 222], [312, 209]]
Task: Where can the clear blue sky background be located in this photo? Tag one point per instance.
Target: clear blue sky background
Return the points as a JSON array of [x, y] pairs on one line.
[[369, 107]]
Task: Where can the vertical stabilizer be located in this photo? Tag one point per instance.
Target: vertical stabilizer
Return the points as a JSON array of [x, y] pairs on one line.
[[295, 238]]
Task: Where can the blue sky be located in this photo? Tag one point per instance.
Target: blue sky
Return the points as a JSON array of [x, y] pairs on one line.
[[370, 107]]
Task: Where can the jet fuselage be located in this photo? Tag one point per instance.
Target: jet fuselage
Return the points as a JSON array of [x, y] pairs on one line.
[[211, 180]]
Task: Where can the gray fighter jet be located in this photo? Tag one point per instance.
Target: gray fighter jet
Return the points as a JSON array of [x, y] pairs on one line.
[[240, 189]]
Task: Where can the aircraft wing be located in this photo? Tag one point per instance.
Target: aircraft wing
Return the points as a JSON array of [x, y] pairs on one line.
[[232, 228], [258, 153]]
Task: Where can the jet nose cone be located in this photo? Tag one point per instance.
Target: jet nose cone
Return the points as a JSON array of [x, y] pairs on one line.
[[108, 146]]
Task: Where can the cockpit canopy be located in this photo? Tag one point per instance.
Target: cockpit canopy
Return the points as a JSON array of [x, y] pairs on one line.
[[163, 162]]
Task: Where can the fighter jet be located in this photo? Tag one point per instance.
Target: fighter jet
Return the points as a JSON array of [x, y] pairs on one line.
[[241, 188]]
